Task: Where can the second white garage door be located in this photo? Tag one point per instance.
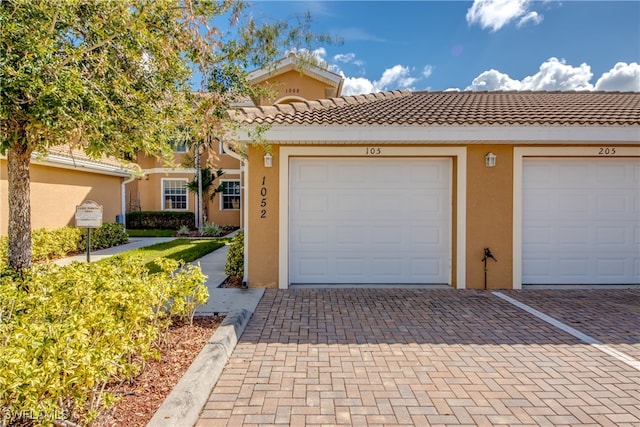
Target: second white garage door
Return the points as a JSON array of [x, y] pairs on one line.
[[581, 221], [370, 220]]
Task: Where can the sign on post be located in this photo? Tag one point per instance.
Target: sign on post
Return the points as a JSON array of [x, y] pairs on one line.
[[89, 215]]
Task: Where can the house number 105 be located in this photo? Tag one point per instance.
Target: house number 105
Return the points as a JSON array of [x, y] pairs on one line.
[[263, 201], [373, 151]]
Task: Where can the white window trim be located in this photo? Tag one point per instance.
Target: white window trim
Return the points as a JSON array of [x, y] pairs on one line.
[[519, 153], [162, 198], [221, 149], [222, 208], [460, 153]]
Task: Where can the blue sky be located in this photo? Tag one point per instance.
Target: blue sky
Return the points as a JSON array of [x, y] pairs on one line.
[[475, 45]]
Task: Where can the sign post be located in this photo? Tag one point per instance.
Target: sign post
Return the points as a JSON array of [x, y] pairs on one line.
[[89, 215]]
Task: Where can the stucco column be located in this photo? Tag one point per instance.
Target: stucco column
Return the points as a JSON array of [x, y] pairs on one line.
[[489, 216]]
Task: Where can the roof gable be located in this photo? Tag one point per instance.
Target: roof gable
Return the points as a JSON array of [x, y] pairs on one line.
[[291, 63]]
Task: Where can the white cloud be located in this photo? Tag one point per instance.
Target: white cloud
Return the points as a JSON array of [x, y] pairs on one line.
[[557, 75], [426, 71], [622, 77], [554, 74], [495, 14], [345, 57], [493, 80], [396, 77], [356, 86], [532, 17]]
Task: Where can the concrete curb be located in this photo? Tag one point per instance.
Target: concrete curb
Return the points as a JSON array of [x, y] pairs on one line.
[[185, 402]]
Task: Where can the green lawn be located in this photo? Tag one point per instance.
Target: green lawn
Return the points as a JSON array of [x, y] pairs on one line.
[[186, 250]]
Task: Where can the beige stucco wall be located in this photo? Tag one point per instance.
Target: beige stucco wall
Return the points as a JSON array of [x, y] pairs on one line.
[[263, 226], [149, 190], [263, 262], [293, 84], [488, 223], [489, 216], [146, 193], [55, 193]]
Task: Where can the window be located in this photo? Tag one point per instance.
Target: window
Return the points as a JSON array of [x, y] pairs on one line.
[[174, 194], [222, 150], [180, 147], [230, 194]]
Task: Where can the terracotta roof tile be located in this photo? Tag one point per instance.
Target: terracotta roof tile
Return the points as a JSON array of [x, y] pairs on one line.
[[457, 108], [78, 154]]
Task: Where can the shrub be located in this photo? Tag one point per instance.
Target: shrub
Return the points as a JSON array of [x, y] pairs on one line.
[[146, 220], [52, 244], [183, 231], [235, 257], [47, 244], [108, 235], [210, 229], [65, 332]]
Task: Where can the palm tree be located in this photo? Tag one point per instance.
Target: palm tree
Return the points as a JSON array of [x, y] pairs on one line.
[[209, 189]]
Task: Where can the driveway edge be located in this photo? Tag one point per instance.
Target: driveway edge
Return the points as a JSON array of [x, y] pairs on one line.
[[185, 402]]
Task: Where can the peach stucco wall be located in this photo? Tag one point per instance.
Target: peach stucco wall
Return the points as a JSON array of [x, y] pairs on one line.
[[55, 193], [489, 216], [146, 193], [294, 84], [263, 226]]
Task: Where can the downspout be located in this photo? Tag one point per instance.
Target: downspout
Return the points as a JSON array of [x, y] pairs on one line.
[[244, 207], [123, 200]]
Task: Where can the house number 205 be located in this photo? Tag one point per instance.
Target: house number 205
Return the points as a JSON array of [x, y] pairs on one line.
[[607, 151], [263, 201]]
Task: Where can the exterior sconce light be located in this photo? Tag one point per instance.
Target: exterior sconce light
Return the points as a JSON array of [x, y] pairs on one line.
[[490, 160], [268, 160]]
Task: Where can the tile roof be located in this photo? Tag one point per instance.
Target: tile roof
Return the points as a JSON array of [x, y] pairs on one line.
[[78, 154], [456, 108]]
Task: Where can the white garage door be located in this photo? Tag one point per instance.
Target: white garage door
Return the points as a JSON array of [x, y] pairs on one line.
[[581, 221], [369, 220]]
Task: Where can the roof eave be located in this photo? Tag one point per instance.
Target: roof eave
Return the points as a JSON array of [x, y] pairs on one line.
[[450, 134]]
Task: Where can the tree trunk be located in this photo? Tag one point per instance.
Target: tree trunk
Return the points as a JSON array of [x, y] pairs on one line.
[[19, 158]]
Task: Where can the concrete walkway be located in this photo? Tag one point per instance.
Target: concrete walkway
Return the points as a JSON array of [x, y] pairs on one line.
[[134, 243]]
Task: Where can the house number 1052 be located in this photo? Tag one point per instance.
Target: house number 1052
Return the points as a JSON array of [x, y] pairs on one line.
[[263, 201], [373, 151]]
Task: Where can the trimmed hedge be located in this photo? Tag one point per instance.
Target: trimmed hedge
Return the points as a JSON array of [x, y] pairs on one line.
[[147, 220], [58, 243]]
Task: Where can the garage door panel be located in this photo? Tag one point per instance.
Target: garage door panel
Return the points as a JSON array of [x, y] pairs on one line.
[[313, 203], [615, 236], [580, 221], [386, 220], [352, 268], [312, 174], [313, 234], [388, 235]]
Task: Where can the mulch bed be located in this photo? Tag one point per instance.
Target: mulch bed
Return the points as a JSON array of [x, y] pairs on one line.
[[142, 397], [232, 282]]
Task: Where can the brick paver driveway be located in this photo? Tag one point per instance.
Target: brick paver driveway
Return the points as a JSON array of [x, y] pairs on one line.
[[432, 357]]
